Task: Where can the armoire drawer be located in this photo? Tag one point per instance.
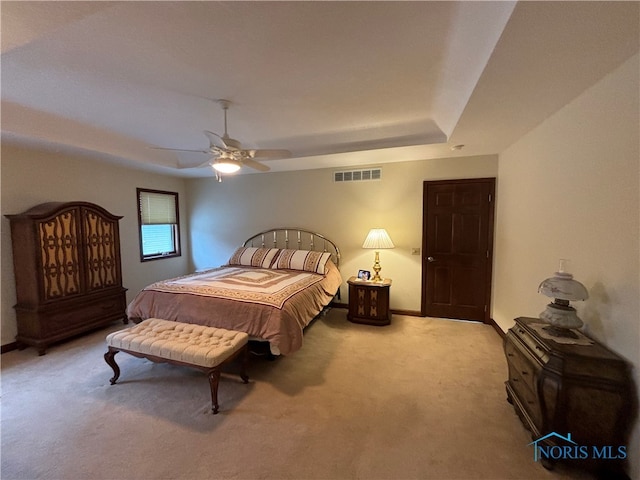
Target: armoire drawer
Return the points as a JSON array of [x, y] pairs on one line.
[[83, 314]]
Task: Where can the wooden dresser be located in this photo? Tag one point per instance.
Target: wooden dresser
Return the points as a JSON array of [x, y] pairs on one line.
[[66, 259], [575, 387]]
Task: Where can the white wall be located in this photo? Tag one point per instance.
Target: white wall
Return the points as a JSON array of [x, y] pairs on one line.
[[30, 177], [217, 217], [570, 189], [225, 214]]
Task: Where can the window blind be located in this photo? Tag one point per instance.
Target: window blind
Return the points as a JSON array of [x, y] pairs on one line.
[[157, 209]]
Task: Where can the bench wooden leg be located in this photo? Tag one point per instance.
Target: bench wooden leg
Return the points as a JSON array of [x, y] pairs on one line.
[[214, 379], [111, 361], [245, 363]]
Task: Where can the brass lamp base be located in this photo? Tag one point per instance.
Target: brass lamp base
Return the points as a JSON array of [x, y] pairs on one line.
[[376, 268]]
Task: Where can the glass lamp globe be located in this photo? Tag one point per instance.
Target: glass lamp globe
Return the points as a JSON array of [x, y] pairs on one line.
[[560, 315], [226, 165]]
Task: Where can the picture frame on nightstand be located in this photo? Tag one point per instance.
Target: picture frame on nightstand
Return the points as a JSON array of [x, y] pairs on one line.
[[364, 275]]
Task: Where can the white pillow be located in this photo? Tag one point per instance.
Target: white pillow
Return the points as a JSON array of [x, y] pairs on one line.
[[305, 260], [254, 257]]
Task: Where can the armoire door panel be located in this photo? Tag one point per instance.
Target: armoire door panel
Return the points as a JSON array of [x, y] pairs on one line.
[[59, 257], [100, 244]]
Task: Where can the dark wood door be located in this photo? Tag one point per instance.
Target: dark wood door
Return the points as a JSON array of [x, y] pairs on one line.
[[457, 248]]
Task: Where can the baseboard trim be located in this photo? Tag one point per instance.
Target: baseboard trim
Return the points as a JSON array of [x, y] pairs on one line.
[[496, 327], [409, 313], [8, 347], [416, 313]]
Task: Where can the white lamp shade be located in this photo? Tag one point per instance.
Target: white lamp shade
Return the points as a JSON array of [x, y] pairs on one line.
[[378, 238]]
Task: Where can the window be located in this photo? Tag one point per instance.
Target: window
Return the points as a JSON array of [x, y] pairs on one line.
[[159, 224]]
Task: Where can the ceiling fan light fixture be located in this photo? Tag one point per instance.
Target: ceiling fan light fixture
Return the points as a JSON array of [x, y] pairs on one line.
[[228, 154], [226, 165]]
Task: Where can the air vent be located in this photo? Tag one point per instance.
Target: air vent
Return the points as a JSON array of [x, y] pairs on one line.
[[364, 175]]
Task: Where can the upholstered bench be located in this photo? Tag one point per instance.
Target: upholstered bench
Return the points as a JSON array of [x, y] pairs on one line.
[[197, 346]]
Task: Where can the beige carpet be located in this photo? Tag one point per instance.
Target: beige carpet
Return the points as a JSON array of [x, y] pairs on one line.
[[420, 399]]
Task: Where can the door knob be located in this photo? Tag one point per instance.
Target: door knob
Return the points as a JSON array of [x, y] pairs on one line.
[[431, 259]]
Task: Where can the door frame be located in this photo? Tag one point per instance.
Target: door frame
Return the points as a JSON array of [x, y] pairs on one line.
[[491, 233]]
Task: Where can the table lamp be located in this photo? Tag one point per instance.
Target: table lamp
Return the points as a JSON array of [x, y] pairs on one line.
[[560, 315], [377, 238]]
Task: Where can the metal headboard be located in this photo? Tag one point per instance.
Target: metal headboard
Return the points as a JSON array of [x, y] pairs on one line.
[[296, 239]]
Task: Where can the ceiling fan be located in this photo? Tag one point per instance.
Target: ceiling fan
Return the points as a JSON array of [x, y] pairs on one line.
[[228, 154]]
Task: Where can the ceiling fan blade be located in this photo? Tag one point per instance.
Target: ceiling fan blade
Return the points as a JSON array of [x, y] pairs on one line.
[[255, 165], [270, 154], [180, 150], [215, 140]]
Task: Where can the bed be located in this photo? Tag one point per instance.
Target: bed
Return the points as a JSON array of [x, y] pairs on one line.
[[272, 287]]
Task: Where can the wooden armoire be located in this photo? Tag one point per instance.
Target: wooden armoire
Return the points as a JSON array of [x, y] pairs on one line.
[[66, 259]]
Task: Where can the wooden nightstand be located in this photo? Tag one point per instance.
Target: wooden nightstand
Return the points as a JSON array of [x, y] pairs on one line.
[[369, 302]]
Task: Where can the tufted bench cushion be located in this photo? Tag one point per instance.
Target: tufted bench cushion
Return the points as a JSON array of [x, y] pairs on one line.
[[183, 342], [205, 348]]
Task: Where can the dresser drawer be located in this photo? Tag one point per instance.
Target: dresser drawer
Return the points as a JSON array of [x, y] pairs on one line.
[[536, 349], [527, 395], [521, 368], [529, 401], [85, 314], [524, 369], [526, 404]]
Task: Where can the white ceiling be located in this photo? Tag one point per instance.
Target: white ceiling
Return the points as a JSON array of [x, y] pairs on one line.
[[337, 83]]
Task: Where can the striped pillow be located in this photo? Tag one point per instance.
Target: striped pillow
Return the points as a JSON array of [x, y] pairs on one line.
[[305, 260], [254, 257]]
